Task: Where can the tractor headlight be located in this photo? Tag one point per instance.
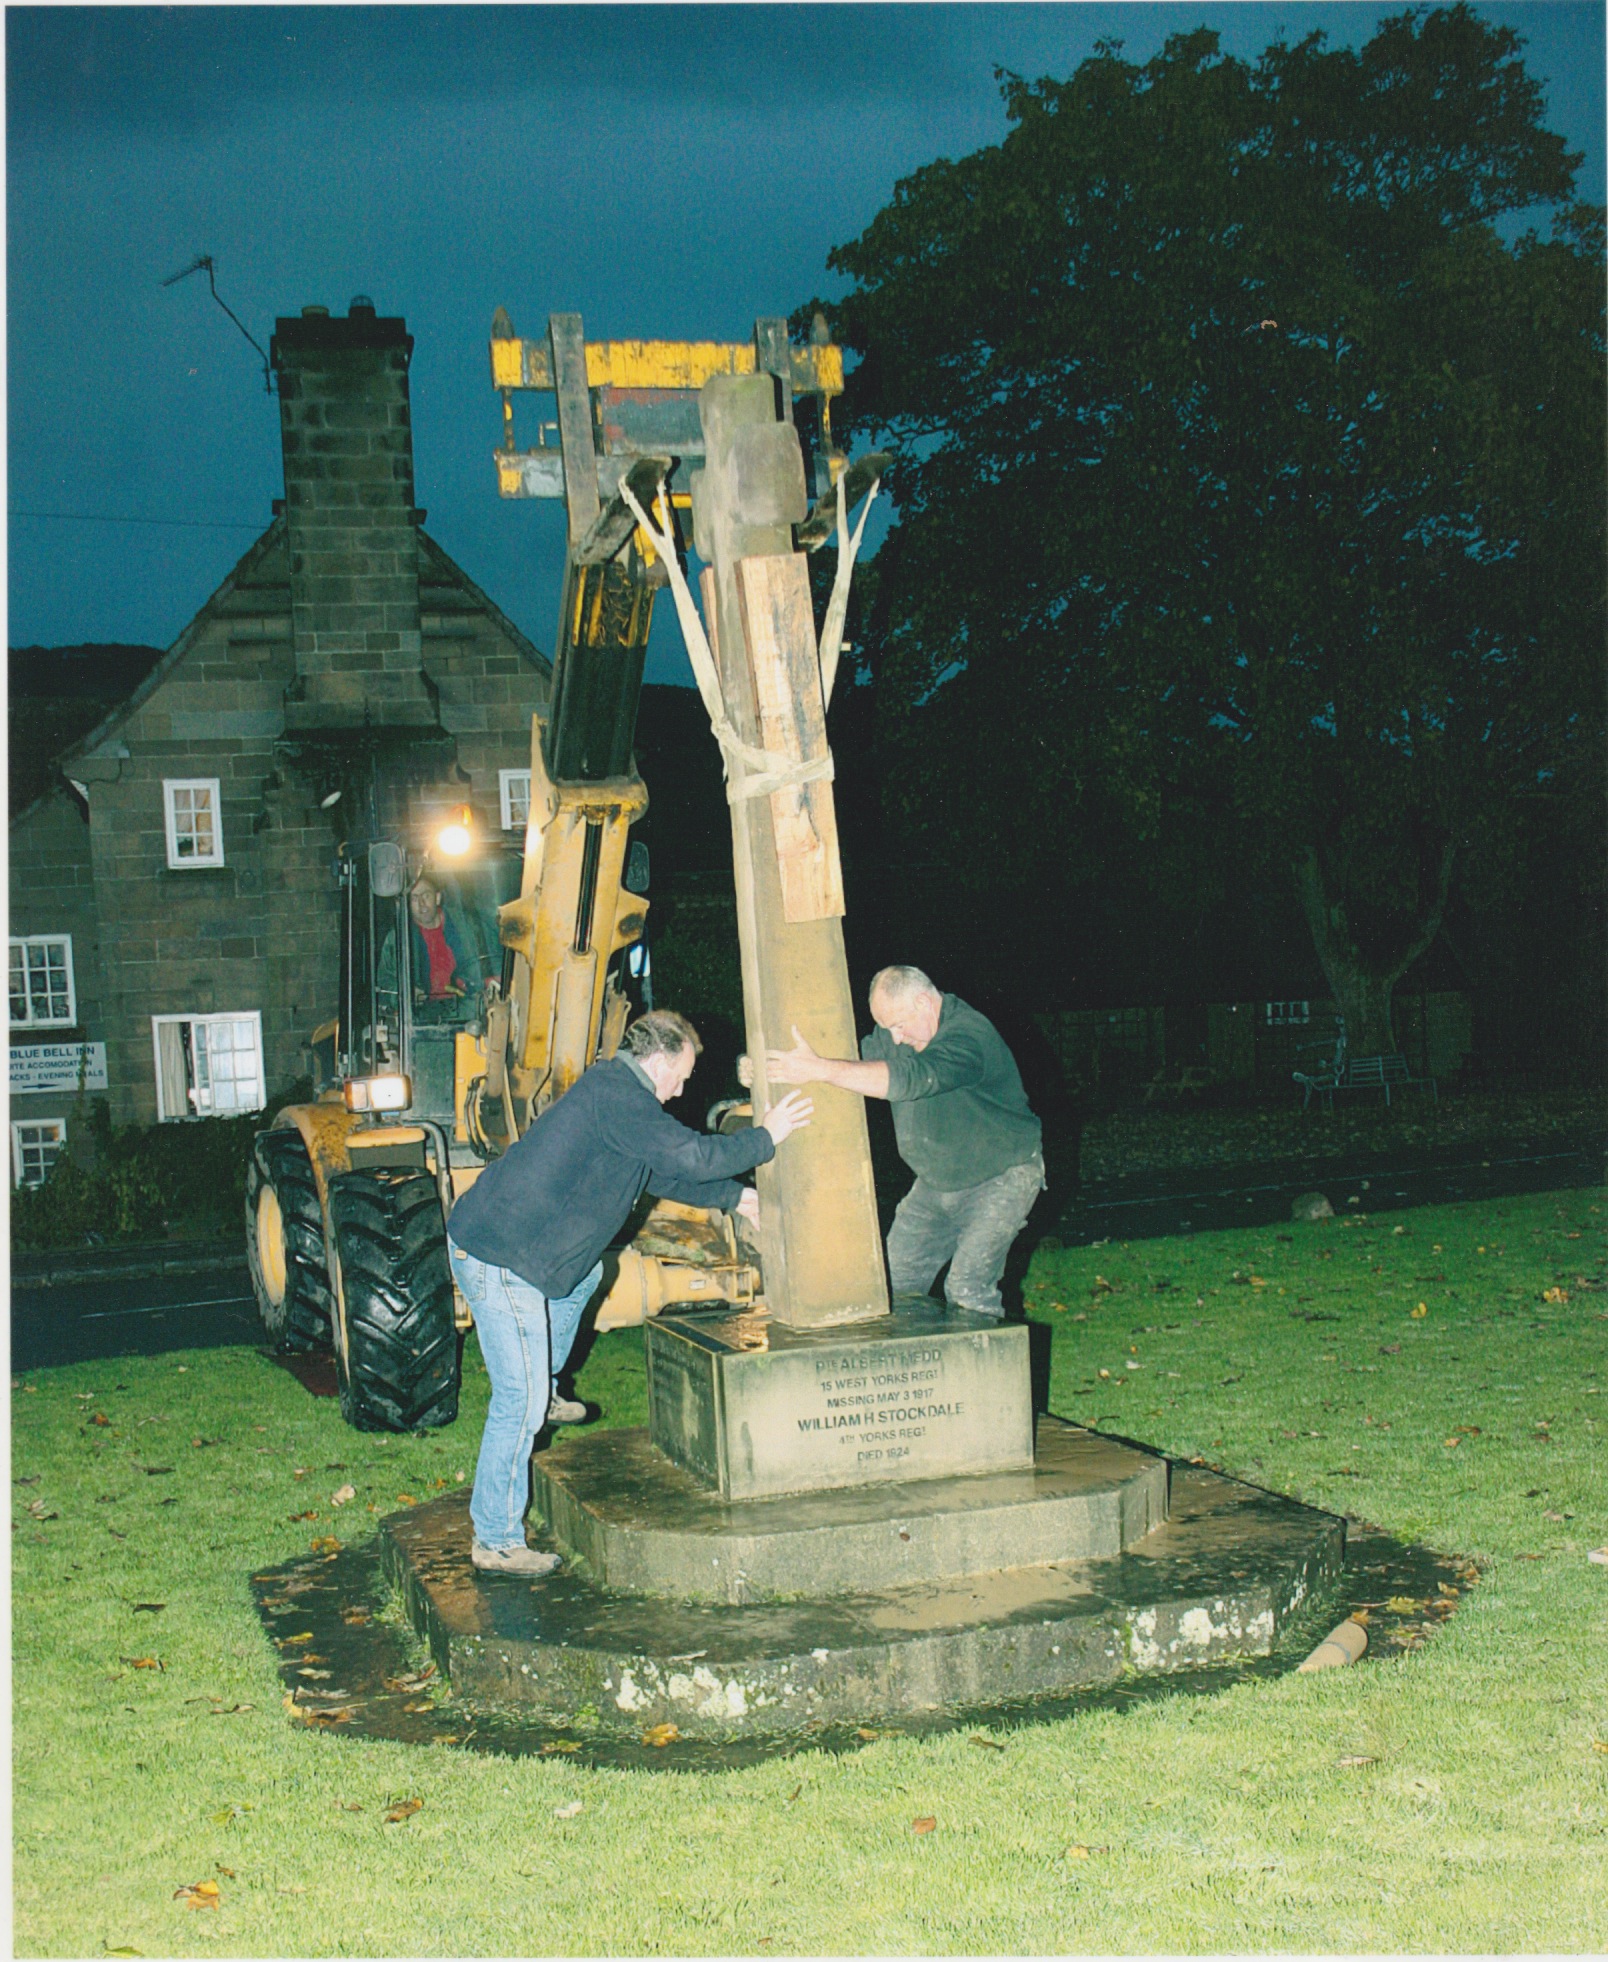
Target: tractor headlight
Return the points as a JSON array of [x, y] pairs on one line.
[[370, 1093]]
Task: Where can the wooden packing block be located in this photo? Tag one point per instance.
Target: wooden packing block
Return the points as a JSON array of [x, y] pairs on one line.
[[779, 632]]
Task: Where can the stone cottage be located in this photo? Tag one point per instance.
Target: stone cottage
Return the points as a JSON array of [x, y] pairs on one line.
[[173, 902]]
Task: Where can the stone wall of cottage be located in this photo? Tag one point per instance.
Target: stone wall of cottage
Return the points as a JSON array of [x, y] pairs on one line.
[[53, 892], [260, 932]]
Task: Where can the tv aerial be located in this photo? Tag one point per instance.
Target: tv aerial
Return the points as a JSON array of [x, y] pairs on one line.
[[203, 263]]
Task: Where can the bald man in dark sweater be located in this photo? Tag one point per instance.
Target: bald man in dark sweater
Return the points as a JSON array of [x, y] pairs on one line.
[[963, 1126]]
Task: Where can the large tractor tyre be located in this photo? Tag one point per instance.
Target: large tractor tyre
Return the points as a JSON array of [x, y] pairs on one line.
[[285, 1244], [396, 1343]]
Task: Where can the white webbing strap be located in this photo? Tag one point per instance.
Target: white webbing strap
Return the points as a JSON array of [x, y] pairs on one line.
[[750, 771]]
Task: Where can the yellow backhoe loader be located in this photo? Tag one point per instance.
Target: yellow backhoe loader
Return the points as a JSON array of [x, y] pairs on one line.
[[348, 1196]]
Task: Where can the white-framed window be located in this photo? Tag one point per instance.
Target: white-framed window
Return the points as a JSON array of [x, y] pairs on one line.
[[194, 822], [208, 1065], [513, 791], [36, 1143], [1288, 1014], [42, 994]]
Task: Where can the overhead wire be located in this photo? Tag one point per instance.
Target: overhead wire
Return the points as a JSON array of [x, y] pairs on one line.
[[110, 518]]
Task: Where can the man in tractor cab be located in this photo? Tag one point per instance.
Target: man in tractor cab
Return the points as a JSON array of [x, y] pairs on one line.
[[527, 1240], [963, 1126], [449, 974]]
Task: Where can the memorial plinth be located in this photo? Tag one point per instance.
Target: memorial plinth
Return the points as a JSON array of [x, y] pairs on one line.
[[1217, 1581], [751, 1408], [641, 1526]]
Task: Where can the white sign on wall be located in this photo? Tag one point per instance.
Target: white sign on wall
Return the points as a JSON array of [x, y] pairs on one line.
[[58, 1066]]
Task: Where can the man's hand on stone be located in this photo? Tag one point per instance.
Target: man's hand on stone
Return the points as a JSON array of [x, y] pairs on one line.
[[748, 1205], [800, 1064], [787, 1115]]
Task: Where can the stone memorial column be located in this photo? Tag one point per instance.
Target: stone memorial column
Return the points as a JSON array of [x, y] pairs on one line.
[[820, 1242]]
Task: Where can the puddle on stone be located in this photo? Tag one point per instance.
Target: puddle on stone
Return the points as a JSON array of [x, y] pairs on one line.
[[352, 1665]]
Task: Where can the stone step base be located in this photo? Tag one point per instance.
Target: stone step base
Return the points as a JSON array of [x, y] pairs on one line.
[[644, 1526], [1217, 1581]]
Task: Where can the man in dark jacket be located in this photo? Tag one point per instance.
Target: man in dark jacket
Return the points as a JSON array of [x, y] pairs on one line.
[[528, 1236], [963, 1126]]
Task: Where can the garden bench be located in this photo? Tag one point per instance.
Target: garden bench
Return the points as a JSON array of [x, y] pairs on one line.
[[1382, 1073], [1387, 1073]]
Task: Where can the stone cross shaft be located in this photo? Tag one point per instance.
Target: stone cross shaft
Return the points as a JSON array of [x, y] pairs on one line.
[[820, 1243]]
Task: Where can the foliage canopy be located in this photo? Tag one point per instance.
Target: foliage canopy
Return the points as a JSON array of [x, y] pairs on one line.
[[1251, 486]]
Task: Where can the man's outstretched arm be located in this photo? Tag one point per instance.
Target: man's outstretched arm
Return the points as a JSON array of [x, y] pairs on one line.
[[801, 1064]]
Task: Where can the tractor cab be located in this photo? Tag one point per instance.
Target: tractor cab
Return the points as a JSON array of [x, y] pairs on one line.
[[421, 966]]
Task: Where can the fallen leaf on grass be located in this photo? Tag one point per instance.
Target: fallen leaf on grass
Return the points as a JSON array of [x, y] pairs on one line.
[[33, 1478], [342, 1806], [142, 1661], [1598, 1556], [230, 1813], [204, 1894], [1555, 1294], [37, 1509], [869, 1736], [107, 1949], [1600, 1744], [230, 1709], [571, 1811], [559, 1747], [658, 1735], [149, 1607], [1351, 1763], [1419, 1312], [925, 1824], [324, 1544], [406, 1499], [356, 1617], [154, 1471], [227, 1872], [403, 1809], [344, 1496], [417, 1707], [986, 1743], [101, 1419], [1404, 1604], [289, 1641], [296, 1518]]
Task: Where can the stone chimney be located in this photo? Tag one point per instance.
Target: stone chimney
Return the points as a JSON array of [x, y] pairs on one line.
[[347, 436]]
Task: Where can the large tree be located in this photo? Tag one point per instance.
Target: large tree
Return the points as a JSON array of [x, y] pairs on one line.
[[1250, 494]]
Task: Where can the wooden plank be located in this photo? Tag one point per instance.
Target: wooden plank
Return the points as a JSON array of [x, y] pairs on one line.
[[779, 630]]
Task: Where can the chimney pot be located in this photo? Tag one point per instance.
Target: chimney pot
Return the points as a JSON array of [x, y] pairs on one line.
[[361, 306], [315, 313]]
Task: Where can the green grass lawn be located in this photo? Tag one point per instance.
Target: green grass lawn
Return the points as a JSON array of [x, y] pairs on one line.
[[1435, 1372]]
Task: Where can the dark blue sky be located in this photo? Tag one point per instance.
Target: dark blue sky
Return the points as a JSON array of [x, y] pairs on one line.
[[662, 170]]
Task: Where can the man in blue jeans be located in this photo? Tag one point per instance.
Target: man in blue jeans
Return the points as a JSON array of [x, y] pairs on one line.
[[527, 1240], [963, 1126]]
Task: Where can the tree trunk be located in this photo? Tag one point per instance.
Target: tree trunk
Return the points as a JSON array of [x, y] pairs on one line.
[[1362, 989]]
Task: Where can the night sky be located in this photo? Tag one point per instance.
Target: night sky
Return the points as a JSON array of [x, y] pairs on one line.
[[664, 171]]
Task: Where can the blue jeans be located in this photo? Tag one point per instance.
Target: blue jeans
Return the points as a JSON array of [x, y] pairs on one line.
[[512, 1320]]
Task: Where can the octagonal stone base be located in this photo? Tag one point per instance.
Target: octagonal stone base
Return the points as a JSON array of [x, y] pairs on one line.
[[1215, 1582], [644, 1526]]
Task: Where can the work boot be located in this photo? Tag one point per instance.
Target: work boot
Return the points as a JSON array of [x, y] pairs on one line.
[[565, 1410], [524, 1561]]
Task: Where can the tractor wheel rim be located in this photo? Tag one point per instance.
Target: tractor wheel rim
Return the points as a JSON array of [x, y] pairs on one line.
[[271, 1255]]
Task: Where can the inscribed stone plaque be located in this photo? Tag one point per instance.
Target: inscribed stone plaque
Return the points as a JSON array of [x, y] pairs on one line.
[[751, 1407]]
